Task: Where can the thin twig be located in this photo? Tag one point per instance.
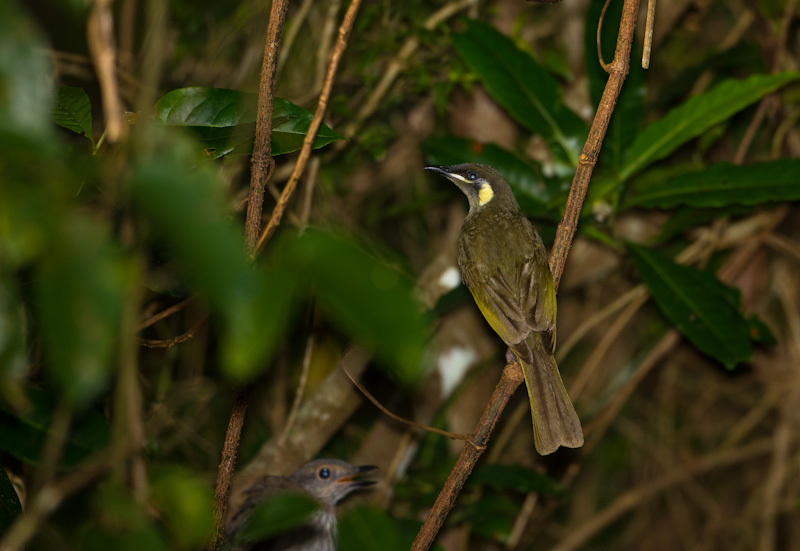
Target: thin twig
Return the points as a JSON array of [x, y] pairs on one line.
[[648, 33], [155, 318], [316, 122], [169, 343], [396, 417], [262, 163], [602, 61]]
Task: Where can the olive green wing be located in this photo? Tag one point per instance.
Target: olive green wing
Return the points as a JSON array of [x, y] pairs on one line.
[[511, 283]]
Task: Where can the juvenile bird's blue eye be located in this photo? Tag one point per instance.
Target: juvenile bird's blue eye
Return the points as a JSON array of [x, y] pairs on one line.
[[324, 473], [472, 176]]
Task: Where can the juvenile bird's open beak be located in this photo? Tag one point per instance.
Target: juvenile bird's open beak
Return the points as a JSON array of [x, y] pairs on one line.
[[439, 169], [350, 479]]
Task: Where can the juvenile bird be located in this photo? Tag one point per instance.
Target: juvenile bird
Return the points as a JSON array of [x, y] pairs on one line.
[[327, 481], [503, 262]]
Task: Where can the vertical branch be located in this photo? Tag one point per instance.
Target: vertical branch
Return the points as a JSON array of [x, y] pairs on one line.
[[100, 36], [313, 128], [512, 375], [226, 466], [260, 172], [262, 163]]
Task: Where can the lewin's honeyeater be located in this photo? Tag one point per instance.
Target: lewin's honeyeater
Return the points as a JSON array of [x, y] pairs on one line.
[[503, 262]]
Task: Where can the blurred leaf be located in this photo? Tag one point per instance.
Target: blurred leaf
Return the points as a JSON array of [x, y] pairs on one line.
[[368, 299], [186, 207], [523, 87], [10, 507], [224, 120], [724, 184], [524, 177], [80, 287], [23, 433], [186, 503], [368, 528], [699, 305], [278, 514], [697, 115], [515, 477], [25, 73], [73, 111], [13, 357], [119, 523]]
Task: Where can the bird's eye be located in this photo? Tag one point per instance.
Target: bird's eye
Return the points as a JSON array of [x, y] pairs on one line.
[[472, 176], [324, 473]]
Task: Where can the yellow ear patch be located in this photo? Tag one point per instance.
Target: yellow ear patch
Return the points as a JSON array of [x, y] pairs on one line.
[[485, 194]]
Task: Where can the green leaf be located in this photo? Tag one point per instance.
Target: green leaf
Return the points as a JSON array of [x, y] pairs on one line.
[[118, 522], [532, 190], [81, 283], [26, 94], [725, 184], [186, 503], [367, 528], [365, 297], [523, 87], [515, 477], [23, 433], [697, 115], [700, 306], [186, 208], [10, 507], [277, 515], [224, 120], [73, 111]]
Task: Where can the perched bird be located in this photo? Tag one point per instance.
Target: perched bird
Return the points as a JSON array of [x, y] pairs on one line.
[[503, 262], [327, 481]]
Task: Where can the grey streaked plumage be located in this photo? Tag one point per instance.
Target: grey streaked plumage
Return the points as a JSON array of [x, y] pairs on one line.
[[327, 481]]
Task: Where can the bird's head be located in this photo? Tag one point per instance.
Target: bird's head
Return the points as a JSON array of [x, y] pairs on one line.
[[330, 480], [482, 185]]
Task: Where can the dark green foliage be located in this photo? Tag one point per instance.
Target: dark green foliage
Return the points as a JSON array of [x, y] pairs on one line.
[[699, 305], [224, 121]]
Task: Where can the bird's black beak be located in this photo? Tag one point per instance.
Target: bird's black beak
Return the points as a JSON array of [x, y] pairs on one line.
[[445, 170], [351, 479]]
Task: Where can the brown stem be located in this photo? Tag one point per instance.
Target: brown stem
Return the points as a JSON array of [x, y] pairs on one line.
[[618, 70], [260, 172], [226, 466], [316, 122], [262, 163], [509, 381]]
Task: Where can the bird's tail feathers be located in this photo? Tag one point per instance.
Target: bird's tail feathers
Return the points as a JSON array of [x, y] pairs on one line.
[[555, 422]]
